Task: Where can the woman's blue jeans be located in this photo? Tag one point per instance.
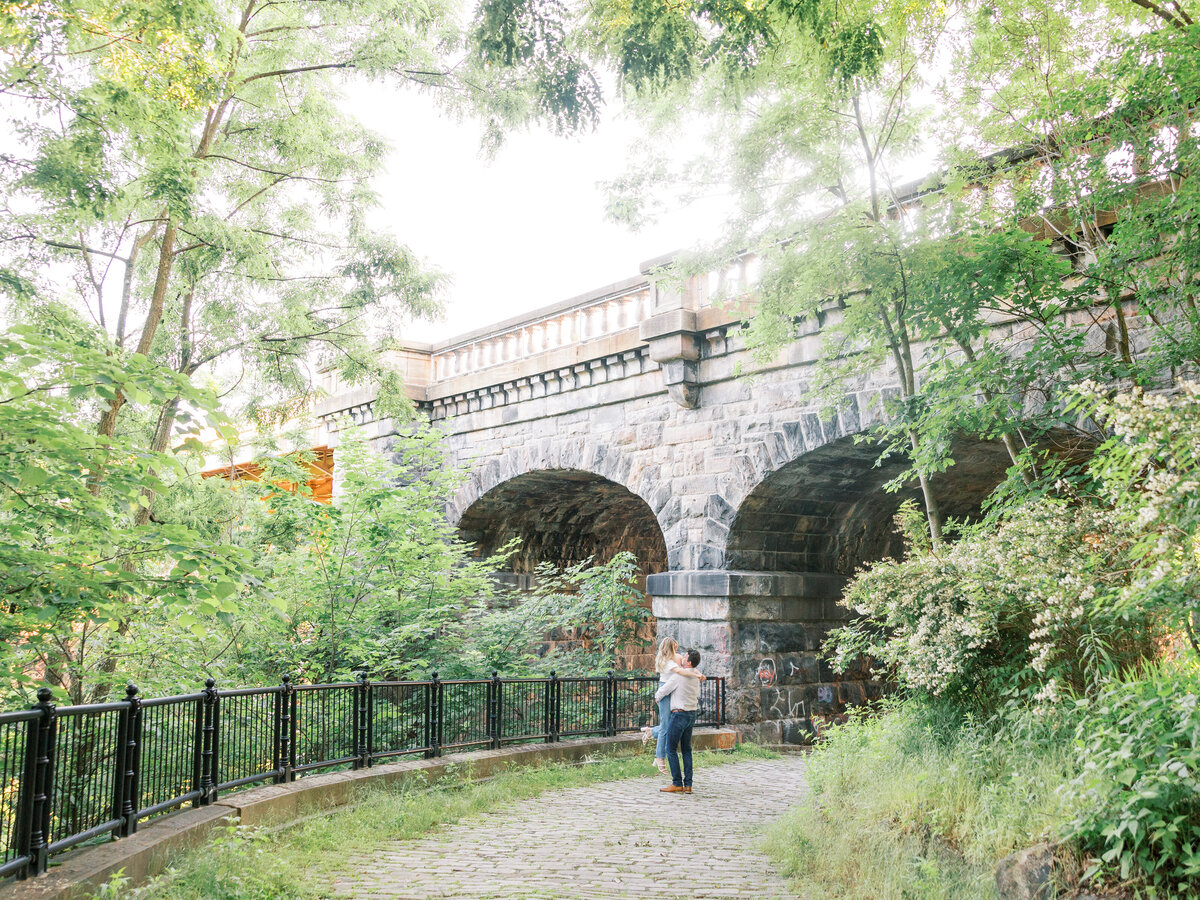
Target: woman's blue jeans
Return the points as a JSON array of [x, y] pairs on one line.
[[660, 730]]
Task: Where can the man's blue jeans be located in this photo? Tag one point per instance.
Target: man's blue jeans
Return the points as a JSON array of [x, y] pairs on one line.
[[679, 737]]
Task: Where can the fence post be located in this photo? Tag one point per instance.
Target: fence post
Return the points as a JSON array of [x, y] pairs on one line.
[[429, 720], [363, 703], [721, 705], [210, 723], [37, 785], [436, 721], [126, 789], [610, 704], [494, 709], [553, 708], [285, 714]]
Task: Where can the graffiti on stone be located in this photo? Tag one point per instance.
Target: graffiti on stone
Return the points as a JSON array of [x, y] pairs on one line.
[[785, 710], [766, 672], [824, 694]]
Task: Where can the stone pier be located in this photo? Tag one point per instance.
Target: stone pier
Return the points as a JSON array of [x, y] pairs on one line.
[[763, 631]]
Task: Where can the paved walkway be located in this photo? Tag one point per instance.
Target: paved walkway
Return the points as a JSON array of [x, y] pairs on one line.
[[619, 839]]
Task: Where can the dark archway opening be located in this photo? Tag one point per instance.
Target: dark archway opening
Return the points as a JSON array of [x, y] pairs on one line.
[[828, 511], [564, 516]]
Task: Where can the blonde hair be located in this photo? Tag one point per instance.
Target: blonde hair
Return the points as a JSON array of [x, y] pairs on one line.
[[667, 648]]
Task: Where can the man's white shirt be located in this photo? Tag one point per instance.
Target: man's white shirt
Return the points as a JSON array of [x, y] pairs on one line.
[[683, 689]]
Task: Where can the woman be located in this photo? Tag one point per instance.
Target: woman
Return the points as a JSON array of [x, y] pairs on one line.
[[666, 663]]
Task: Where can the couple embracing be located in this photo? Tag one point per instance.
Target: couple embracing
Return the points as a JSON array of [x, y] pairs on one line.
[[678, 698]]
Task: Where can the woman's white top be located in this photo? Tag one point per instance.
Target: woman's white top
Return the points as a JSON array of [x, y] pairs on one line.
[[665, 673]]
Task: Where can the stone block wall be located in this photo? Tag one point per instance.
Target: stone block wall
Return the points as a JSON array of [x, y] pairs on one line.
[[763, 631]]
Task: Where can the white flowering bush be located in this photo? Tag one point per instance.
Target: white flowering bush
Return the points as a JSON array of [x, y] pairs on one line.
[[1149, 471], [1060, 593], [1025, 609]]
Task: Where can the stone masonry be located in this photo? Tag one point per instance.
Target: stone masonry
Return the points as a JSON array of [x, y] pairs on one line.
[[633, 427]]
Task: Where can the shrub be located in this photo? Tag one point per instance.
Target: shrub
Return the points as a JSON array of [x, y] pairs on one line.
[[1139, 748], [1027, 610]]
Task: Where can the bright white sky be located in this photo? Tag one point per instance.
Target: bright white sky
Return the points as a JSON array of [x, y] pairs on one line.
[[520, 231]]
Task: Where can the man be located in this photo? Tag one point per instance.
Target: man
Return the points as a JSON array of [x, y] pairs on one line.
[[684, 692]]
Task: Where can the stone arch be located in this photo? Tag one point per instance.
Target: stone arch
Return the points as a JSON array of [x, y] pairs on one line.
[[764, 447], [564, 516], [827, 510], [587, 495], [809, 431]]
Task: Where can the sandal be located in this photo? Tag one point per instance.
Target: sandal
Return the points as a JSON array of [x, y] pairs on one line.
[[645, 735]]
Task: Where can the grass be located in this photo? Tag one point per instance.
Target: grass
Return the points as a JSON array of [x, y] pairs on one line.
[[907, 807], [297, 862]]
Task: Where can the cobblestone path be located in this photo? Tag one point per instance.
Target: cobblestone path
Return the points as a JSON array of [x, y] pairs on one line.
[[619, 839]]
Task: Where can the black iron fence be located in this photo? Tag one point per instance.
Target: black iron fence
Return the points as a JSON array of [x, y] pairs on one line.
[[73, 774]]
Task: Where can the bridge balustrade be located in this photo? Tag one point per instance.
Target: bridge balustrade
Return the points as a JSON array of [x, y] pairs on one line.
[[592, 319], [529, 338], [74, 774]]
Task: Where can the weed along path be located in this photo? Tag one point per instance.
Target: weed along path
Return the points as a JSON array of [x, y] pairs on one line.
[[616, 839]]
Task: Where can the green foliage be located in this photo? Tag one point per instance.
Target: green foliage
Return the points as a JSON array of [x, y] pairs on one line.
[[600, 603], [529, 39], [1150, 472], [1139, 749], [915, 803], [378, 578], [1028, 611], [73, 557], [1071, 594]]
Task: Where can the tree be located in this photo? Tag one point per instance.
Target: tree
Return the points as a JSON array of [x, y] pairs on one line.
[[377, 578], [73, 561], [820, 127], [188, 171], [822, 124]]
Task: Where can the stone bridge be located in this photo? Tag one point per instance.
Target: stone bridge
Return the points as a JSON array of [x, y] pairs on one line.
[[620, 419]]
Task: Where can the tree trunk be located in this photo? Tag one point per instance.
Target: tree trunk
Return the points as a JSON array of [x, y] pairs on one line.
[[166, 259]]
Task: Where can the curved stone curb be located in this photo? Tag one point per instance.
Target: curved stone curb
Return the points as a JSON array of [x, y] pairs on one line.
[[79, 874]]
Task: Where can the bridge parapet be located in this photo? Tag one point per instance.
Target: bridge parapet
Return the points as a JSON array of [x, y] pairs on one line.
[[640, 324], [586, 318]]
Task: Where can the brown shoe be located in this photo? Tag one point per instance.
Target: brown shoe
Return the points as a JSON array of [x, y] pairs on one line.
[[674, 789], [687, 790]]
